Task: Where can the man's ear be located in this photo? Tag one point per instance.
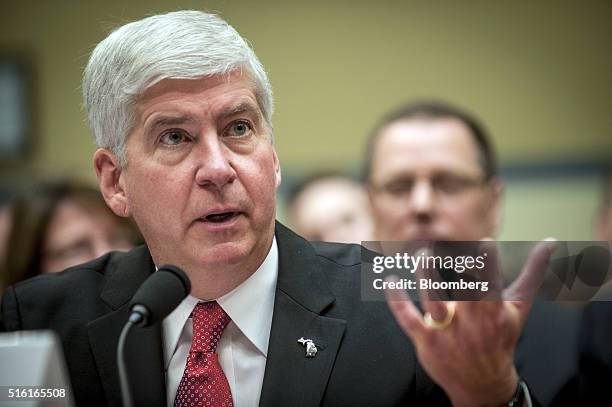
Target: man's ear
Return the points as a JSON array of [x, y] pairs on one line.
[[111, 180], [603, 224], [277, 168]]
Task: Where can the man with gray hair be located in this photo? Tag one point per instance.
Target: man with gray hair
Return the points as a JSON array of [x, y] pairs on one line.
[[181, 110]]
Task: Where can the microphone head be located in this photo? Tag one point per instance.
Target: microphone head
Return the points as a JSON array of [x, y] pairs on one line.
[[161, 293]]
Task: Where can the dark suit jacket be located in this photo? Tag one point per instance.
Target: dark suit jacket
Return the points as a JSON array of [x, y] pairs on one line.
[[546, 354], [364, 359], [591, 385], [596, 354]]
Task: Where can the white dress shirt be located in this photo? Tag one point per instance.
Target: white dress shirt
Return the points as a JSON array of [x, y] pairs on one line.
[[243, 348]]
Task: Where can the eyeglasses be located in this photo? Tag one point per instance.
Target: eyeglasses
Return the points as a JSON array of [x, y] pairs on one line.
[[444, 185]]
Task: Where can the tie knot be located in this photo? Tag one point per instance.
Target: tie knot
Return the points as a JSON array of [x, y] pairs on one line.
[[209, 321]]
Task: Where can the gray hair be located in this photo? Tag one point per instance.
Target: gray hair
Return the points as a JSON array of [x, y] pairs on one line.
[[179, 45]]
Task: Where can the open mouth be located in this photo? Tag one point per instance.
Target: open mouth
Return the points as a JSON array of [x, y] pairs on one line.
[[220, 217]]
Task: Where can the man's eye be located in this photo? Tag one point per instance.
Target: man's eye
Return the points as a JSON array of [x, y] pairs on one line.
[[239, 129], [399, 187], [454, 184], [173, 137], [449, 184]]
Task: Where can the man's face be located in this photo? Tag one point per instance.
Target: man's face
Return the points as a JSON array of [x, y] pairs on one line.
[[426, 183], [77, 233], [202, 174]]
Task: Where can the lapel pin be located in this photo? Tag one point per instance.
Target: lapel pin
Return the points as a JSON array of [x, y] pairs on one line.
[[311, 348]]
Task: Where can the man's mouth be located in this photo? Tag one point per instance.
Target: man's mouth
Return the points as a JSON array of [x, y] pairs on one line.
[[220, 217]]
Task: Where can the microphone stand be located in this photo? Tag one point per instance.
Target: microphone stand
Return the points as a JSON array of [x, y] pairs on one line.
[[138, 317]]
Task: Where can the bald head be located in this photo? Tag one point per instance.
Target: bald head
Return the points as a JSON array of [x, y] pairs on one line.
[[332, 209]]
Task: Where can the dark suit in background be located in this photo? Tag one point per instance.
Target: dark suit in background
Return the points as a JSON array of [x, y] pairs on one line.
[[596, 353], [592, 385], [546, 353]]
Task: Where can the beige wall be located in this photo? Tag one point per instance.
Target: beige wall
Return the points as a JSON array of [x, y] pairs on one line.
[[561, 207], [538, 73]]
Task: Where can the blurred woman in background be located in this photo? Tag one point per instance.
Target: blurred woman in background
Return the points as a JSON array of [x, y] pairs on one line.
[[60, 224]]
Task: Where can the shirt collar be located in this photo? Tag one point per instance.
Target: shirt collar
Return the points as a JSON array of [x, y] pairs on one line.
[[250, 306]]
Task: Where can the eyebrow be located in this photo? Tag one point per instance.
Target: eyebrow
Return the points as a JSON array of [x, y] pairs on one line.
[[173, 120], [242, 107], [163, 121]]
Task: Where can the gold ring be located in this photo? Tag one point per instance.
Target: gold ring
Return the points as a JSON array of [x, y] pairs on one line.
[[435, 324]]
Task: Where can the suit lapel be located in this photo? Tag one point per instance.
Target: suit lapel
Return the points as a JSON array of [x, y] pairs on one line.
[[144, 351], [302, 298]]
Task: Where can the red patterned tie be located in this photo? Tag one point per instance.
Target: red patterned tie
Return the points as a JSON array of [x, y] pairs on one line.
[[203, 382]]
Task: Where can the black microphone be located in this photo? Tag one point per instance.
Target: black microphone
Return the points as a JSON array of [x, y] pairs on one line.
[[157, 297]]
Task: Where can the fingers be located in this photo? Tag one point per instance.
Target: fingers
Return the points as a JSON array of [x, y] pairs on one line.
[[524, 288], [517, 296], [405, 312], [433, 300], [491, 274]]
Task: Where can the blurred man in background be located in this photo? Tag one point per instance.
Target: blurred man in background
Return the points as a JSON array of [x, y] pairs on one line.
[[331, 208], [591, 385], [596, 329], [432, 175]]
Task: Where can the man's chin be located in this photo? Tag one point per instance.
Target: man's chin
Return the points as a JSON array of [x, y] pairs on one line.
[[227, 253], [423, 236]]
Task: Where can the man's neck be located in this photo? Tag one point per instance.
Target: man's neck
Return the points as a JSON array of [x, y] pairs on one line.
[[214, 282]]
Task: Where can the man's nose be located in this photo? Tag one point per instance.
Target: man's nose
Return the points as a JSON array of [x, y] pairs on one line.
[[214, 168], [422, 198]]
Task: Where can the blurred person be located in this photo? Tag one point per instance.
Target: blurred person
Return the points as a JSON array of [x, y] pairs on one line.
[[60, 224], [595, 336], [432, 175], [181, 109], [591, 385], [6, 215], [331, 208]]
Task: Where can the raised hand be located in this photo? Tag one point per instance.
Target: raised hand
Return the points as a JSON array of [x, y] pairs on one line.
[[467, 347]]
